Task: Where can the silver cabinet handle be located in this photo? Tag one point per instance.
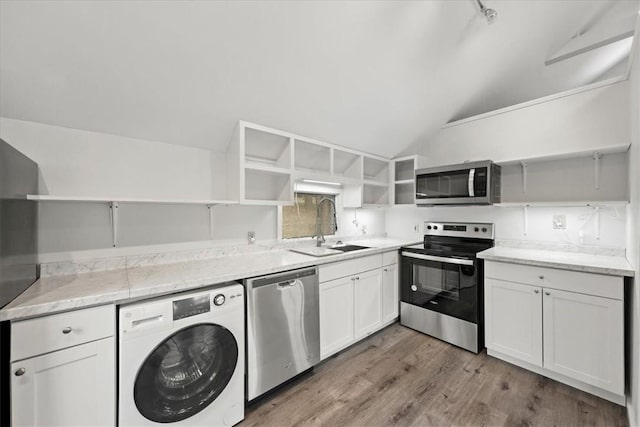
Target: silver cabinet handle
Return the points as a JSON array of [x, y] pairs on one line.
[[385, 269], [414, 288], [357, 277], [20, 372], [541, 277], [67, 330], [547, 293], [536, 291]]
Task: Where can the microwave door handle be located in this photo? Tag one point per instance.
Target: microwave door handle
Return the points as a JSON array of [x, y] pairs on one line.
[[438, 258], [472, 174]]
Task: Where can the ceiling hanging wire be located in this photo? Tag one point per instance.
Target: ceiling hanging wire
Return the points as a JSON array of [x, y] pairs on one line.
[[488, 13]]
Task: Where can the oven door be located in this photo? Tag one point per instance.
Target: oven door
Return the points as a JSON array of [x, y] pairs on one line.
[[446, 285]]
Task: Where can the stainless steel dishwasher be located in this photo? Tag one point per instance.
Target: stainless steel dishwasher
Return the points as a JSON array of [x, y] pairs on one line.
[[283, 328]]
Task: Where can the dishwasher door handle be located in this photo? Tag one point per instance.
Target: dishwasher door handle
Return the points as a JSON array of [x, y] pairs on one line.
[[287, 284]]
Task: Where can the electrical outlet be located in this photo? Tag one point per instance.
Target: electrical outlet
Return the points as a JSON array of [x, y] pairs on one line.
[[251, 237], [559, 222]]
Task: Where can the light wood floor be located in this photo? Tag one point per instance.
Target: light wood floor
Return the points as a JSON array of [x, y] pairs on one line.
[[402, 377]]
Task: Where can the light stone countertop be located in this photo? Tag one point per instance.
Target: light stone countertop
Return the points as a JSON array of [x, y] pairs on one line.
[[61, 293], [145, 280], [574, 261]]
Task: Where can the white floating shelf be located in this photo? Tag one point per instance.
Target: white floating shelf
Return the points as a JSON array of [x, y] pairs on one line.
[[376, 183], [265, 167], [50, 198], [609, 149], [562, 204]]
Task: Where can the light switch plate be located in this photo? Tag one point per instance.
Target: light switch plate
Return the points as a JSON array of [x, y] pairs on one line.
[[559, 222]]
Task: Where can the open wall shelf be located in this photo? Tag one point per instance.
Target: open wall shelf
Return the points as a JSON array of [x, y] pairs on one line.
[[264, 163]]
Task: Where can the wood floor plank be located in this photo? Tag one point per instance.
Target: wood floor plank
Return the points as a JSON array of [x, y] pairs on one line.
[[404, 378]]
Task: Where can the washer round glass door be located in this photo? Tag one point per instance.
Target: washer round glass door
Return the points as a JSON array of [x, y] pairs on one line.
[[185, 373]]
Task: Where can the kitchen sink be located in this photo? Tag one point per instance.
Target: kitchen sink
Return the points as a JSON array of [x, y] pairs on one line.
[[348, 248]]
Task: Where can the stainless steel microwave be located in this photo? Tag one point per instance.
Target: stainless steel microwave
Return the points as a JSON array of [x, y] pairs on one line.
[[473, 183]]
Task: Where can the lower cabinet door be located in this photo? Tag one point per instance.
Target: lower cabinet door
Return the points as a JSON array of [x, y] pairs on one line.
[[368, 302], [390, 293], [584, 338], [513, 320], [336, 315], [70, 387]]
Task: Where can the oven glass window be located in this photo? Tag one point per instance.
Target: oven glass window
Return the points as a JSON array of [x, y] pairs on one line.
[[185, 373], [443, 185], [438, 279]]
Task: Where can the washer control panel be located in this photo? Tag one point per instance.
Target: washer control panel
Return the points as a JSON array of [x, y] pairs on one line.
[[191, 306]]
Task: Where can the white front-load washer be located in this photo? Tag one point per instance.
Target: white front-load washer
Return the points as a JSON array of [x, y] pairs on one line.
[[181, 359]]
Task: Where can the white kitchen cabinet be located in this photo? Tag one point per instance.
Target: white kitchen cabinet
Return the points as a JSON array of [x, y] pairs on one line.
[[584, 338], [513, 320], [390, 293], [63, 369], [357, 298], [562, 324], [336, 315], [70, 387], [368, 302]]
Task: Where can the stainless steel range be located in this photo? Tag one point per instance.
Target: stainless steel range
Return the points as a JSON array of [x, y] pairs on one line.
[[442, 283]]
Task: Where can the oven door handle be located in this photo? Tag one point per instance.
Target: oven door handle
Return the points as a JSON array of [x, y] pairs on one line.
[[438, 258]]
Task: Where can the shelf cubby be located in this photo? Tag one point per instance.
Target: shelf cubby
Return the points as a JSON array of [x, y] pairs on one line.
[[266, 148], [404, 170], [267, 187], [375, 195], [347, 164], [311, 157], [404, 193], [375, 170]]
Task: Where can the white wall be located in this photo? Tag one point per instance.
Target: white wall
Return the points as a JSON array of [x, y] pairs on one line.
[[82, 163], [583, 121], [633, 237], [509, 223]]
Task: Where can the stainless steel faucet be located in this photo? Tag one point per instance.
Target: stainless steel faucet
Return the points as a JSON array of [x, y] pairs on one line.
[[319, 236]]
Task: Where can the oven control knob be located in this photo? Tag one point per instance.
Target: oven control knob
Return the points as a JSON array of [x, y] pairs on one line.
[[414, 288], [428, 227], [476, 229], [435, 227], [219, 299], [484, 229]]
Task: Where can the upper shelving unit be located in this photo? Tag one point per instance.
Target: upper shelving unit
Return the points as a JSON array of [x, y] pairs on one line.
[[263, 165]]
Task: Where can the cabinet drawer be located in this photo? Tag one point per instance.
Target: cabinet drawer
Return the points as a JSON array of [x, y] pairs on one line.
[[346, 268], [572, 281], [389, 258], [44, 334]]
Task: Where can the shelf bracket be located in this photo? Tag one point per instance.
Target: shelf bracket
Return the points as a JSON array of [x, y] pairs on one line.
[[596, 157], [210, 209], [113, 215], [525, 218], [524, 176], [597, 219]]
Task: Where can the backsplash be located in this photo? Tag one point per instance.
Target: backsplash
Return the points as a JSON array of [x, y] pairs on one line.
[[582, 224]]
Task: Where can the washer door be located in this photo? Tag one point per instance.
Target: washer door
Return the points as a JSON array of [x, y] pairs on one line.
[[185, 373]]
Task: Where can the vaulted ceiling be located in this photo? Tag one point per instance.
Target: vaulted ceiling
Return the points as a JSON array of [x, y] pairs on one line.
[[373, 76]]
